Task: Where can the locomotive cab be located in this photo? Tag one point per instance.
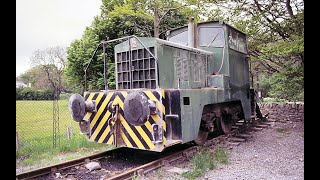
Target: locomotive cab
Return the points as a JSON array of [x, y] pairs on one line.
[[227, 71], [170, 91]]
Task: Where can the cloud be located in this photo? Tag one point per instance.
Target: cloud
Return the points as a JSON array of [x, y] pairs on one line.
[[22, 64], [41, 24]]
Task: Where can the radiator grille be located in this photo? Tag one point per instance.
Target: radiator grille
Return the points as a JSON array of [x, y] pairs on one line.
[[142, 73]]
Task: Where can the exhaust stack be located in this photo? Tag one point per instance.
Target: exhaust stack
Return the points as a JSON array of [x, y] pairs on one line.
[[191, 32]]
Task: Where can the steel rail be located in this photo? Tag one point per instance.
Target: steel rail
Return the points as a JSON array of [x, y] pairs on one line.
[[53, 168], [144, 169]]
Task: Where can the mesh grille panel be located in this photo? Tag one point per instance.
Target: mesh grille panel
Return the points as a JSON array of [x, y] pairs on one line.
[[142, 73]]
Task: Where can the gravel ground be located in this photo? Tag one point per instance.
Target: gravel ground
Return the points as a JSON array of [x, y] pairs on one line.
[[276, 152], [273, 153]]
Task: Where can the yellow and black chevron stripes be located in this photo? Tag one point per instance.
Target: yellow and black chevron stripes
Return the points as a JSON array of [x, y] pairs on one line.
[[133, 136]]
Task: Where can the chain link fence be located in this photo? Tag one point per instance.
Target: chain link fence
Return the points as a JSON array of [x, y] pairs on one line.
[[35, 120], [36, 132]]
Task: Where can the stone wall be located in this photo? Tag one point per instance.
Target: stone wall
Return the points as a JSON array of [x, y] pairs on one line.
[[283, 112]]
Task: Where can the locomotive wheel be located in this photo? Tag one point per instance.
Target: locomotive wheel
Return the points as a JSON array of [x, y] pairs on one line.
[[201, 138], [225, 126]]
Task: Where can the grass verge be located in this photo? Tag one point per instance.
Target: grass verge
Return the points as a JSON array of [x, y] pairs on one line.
[[204, 161], [34, 136]]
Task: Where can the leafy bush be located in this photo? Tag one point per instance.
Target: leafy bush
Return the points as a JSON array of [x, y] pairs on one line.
[[286, 85], [201, 162]]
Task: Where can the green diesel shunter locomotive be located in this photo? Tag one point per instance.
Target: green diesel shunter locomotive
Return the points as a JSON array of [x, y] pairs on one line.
[[170, 91]]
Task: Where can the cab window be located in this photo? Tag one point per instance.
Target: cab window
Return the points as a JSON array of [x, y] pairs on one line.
[[211, 36], [181, 38], [237, 41]]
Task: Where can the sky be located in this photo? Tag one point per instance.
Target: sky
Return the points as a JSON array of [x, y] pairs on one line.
[[41, 24]]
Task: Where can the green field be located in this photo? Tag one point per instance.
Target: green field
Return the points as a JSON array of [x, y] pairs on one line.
[[34, 125], [34, 119]]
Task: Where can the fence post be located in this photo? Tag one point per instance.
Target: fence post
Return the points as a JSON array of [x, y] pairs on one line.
[[17, 140], [69, 132]]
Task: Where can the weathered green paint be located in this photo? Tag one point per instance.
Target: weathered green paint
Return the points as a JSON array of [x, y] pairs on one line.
[[166, 67], [210, 75], [167, 57], [124, 46], [177, 66], [235, 65], [239, 81], [191, 114], [230, 72], [219, 81]]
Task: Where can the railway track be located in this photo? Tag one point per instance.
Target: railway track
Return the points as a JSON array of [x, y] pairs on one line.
[[59, 166], [141, 162]]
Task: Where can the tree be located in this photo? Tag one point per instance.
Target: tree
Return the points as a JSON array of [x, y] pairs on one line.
[[118, 19], [51, 63], [37, 78], [275, 36]]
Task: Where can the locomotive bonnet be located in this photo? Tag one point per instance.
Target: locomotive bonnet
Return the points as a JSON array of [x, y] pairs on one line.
[[170, 91]]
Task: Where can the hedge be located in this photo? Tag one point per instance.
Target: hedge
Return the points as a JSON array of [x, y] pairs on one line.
[[32, 94]]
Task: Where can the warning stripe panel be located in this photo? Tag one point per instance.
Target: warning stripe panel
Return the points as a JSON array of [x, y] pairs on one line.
[[104, 134], [133, 136], [159, 105], [101, 127], [131, 133], [125, 139], [101, 107]]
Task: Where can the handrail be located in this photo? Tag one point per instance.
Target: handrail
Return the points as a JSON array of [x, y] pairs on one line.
[[103, 42], [85, 70]]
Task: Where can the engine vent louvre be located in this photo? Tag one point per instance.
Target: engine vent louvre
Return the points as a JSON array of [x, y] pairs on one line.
[[142, 73]]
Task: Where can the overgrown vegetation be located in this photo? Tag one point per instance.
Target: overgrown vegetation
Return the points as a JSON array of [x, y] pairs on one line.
[[205, 161], [288, 84], [221, 155], [275, 33]]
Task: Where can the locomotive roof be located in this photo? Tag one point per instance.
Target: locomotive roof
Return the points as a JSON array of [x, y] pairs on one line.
[[208, 22]]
